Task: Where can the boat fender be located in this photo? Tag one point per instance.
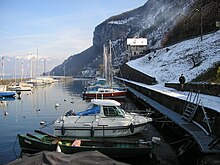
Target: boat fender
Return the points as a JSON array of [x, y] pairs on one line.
[[58, 149], [131, 127], [62, 130], [92, 132]]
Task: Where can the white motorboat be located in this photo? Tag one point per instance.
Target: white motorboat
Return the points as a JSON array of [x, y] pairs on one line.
[[104, 118], [19, 87], [104, 93]]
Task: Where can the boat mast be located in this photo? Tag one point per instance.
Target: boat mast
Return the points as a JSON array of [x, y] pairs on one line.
[[105, 69], [44, 66], [15, 70], [31, 71], [110, 68], [3, 67], [22, 68], [37, 64], [33, 66]]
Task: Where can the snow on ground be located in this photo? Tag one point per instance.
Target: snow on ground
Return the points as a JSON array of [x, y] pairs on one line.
[[166, 66]]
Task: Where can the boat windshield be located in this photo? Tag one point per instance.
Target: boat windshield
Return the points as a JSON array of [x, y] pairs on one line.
[[113, 111]]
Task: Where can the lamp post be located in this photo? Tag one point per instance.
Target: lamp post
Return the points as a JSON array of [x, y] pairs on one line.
[[201, 28], [201, 22]]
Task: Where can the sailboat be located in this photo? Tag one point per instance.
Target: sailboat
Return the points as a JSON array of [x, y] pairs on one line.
[[20, 86], [108, 89]]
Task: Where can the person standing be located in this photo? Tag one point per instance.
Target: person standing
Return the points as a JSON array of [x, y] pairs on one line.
[[182, 81]]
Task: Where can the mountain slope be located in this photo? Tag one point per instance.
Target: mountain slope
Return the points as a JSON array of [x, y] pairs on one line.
[[154, 20], [148, 21], [192, 58]]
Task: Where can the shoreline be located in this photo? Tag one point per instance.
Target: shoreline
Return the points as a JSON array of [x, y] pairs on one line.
[[8, 81]]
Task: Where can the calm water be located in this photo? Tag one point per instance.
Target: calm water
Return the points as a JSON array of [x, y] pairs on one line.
[[25, 115]]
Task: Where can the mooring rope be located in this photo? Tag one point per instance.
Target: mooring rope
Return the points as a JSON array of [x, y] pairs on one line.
[[47, 125], [179, 141]]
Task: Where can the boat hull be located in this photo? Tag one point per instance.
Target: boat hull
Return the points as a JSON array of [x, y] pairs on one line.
[[100, 131], [112, 148], [7, 94], [20, 88], [120, 94], [34, 145], [104, 119], [118, 150]]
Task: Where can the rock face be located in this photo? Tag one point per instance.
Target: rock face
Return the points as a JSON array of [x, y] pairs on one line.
[[152, 21]]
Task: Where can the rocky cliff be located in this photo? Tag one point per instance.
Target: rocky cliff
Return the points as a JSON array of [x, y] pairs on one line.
[[154, 21]]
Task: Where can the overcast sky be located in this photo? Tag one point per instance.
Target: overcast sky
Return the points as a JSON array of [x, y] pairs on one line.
[[57, 28]]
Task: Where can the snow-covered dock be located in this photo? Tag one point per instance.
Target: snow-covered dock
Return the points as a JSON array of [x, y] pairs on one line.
[[204, 141]]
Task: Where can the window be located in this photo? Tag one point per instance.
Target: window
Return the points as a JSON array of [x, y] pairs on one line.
[[110, 111]]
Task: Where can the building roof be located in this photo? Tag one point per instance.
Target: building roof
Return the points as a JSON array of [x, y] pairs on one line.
[[137, 41]]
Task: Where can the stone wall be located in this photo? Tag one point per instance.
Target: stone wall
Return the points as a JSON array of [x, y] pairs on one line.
[[204, 88], [177, 105], [131, 74]]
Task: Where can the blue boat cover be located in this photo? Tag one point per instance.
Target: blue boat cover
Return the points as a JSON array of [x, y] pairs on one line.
[[91, 111], [7, 94]]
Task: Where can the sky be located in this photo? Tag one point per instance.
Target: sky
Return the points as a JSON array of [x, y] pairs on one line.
[[56, 28]]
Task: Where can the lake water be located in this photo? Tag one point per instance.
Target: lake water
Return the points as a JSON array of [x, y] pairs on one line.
[[25, 115]]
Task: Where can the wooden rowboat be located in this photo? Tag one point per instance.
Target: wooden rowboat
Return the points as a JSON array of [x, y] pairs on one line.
[[111, 148]]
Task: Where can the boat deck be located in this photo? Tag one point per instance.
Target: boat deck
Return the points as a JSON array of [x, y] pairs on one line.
[[206, 143]]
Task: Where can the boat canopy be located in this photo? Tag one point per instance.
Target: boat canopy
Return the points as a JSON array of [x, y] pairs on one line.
[[101, 102]]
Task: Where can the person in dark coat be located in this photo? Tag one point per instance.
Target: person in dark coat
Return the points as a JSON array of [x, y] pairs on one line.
[[182, 80]]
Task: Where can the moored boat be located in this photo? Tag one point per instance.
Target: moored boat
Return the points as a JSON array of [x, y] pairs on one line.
[[4, 93], [105, 118], [7, 94], [19, 87], [104, 93], [105, 87], [111, 148]]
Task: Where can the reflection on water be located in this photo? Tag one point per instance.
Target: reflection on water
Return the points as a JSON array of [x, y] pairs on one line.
[[43, 105], [25, 114]]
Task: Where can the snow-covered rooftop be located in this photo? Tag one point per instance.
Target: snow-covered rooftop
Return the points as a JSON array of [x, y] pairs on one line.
[[137, 41]]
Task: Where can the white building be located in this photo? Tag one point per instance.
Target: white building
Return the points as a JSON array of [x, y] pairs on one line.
[[136, 47]]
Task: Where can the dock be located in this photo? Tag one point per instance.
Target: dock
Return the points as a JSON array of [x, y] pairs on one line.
[[207, 143]]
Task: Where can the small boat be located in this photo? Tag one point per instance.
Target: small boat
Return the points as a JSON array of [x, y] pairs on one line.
[[104, 118], [104, 93], [19, 87], [7, 94], [4, 93], [112, 148], [105, 87]]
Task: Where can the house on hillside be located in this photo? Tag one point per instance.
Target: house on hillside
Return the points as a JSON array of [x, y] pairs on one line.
[[136, 47]]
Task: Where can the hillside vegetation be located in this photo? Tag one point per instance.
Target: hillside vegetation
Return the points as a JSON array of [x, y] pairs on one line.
[[189, 25]]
